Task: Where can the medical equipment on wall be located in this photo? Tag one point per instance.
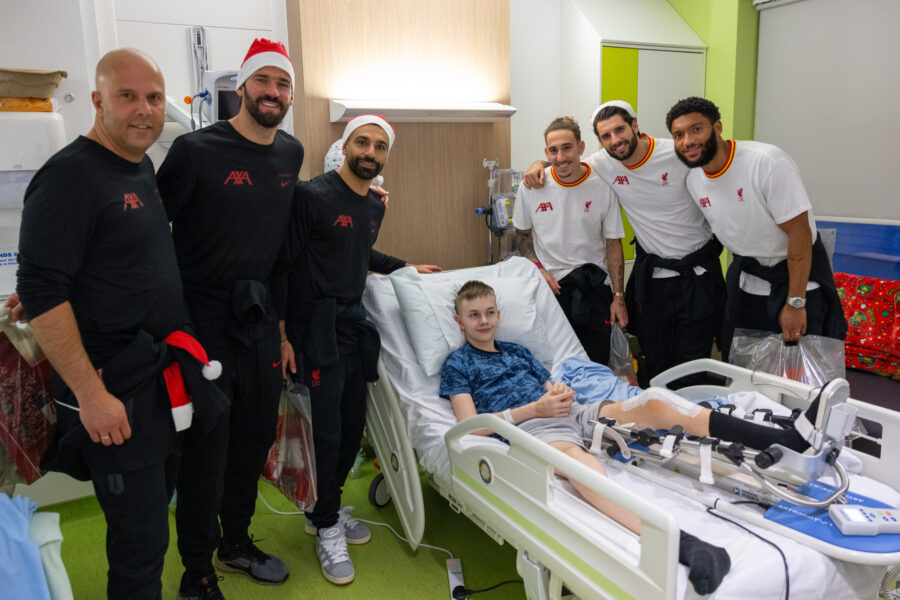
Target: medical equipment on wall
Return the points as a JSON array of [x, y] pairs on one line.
[[502, 187], [213, 96]]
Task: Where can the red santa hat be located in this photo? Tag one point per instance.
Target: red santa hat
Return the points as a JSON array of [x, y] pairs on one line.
[[357, 122], [264, 53], [182, 407]]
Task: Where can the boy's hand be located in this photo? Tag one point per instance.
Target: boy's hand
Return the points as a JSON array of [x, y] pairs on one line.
[[556, 402]]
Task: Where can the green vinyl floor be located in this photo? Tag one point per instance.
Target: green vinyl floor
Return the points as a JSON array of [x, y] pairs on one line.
[[386, 568]]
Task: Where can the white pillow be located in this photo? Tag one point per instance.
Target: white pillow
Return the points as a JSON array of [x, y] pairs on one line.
[[427, 309]]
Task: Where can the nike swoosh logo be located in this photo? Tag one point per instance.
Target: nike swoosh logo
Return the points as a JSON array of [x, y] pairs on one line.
[[275, 364], [284, 183]]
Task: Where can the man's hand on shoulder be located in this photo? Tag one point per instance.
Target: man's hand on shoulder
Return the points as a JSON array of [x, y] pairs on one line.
[[383, 194], [534, 176]]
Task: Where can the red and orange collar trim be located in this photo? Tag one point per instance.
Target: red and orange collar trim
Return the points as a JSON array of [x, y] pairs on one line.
[[647, 156], [732, 147], [574, 183]]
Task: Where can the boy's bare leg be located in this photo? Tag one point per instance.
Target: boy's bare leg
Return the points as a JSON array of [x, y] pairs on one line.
[[658, 415], [609, 508]]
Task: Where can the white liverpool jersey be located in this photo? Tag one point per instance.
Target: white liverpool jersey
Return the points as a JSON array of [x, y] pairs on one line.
[[758, 188], [571, 221]]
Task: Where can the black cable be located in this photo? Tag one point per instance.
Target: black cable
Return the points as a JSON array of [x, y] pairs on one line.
[[787, 575], [461, 592]]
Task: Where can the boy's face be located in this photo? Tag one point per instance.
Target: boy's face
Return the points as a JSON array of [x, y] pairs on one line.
[[478, 318]]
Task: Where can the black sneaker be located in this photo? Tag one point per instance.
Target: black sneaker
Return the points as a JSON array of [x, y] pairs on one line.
[[246, 558], [205, 588]]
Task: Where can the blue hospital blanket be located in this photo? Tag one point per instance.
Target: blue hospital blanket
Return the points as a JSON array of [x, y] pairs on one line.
[[594, 382], [20, 559]]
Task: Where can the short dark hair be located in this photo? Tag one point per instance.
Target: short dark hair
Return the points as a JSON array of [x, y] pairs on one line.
[[472, 290], [693, 105], [608, 113], [560, 123]]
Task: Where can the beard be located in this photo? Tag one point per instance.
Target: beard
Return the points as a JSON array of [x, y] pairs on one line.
[[709, 151], [363, 172], [632, 146], [266, 119]]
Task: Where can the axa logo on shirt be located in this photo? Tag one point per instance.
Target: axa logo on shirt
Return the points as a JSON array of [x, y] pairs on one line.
[[621, 180], [704, 202], [343, 221], [665, 179], [544, 207], [740, 194], [131, 202], [587, 206], [238, 178]]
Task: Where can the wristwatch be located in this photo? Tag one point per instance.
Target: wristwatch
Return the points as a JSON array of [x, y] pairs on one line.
[[797, 302]]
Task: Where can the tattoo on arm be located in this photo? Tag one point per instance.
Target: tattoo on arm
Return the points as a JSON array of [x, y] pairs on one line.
[[615, 262], [525, 244]]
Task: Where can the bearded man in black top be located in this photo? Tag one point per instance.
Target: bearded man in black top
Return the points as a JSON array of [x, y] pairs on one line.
[[318, 282], [228, 189]]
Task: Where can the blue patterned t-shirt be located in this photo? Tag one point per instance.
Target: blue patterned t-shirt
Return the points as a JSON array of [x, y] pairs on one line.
[[499, 380]]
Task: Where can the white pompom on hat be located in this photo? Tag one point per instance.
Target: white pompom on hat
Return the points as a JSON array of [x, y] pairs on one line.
[[264, 53], [357, 122]]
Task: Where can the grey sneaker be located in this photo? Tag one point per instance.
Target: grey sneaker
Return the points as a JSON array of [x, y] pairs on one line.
[[355, 532], [331, 548], [246, 558]]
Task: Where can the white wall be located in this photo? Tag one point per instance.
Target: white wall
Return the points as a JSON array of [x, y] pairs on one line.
[[534, 76], [828, 84]]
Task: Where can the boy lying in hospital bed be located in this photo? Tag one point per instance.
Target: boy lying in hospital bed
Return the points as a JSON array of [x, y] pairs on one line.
[[487, 376]]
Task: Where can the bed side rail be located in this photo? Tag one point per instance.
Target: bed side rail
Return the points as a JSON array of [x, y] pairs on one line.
[[386, 426], [512, 489]]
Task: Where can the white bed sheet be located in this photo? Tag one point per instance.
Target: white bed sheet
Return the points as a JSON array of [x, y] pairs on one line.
[[757, 569]]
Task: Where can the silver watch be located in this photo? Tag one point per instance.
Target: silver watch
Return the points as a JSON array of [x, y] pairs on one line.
[[797, 302]]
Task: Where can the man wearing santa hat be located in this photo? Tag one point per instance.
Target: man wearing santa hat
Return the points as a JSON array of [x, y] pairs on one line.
[[227, 190], [318, 284]]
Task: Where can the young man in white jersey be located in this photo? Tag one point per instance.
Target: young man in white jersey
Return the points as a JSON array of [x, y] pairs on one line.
[[752, 195], [675, 294], [572, 230]]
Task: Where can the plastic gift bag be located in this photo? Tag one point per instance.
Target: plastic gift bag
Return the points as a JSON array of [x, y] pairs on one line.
[[814, 360], [27, 410], [620, 360], [291, 466]]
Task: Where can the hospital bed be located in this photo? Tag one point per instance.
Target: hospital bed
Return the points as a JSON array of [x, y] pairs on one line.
[[513, 493]]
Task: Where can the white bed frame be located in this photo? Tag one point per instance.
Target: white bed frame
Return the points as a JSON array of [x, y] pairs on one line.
[[509, 491]]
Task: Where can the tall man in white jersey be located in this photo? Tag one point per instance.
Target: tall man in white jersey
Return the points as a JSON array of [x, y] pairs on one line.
[[572, 230], [752, 195], [676, 293]]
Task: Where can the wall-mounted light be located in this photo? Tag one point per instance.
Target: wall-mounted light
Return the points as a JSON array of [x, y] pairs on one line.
[[421, 111]]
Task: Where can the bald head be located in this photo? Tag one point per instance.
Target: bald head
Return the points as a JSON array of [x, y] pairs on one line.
[[120, 59], [130, 101]]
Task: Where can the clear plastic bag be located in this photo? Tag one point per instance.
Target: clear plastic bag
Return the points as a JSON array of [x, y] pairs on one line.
[[814, 360], [27, 412], [291, 466], [620, 360]]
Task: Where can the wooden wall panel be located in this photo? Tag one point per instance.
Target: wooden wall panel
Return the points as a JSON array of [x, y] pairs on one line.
[[410, 49]]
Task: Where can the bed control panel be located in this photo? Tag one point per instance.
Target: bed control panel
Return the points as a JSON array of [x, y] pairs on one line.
[[853, 519]]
